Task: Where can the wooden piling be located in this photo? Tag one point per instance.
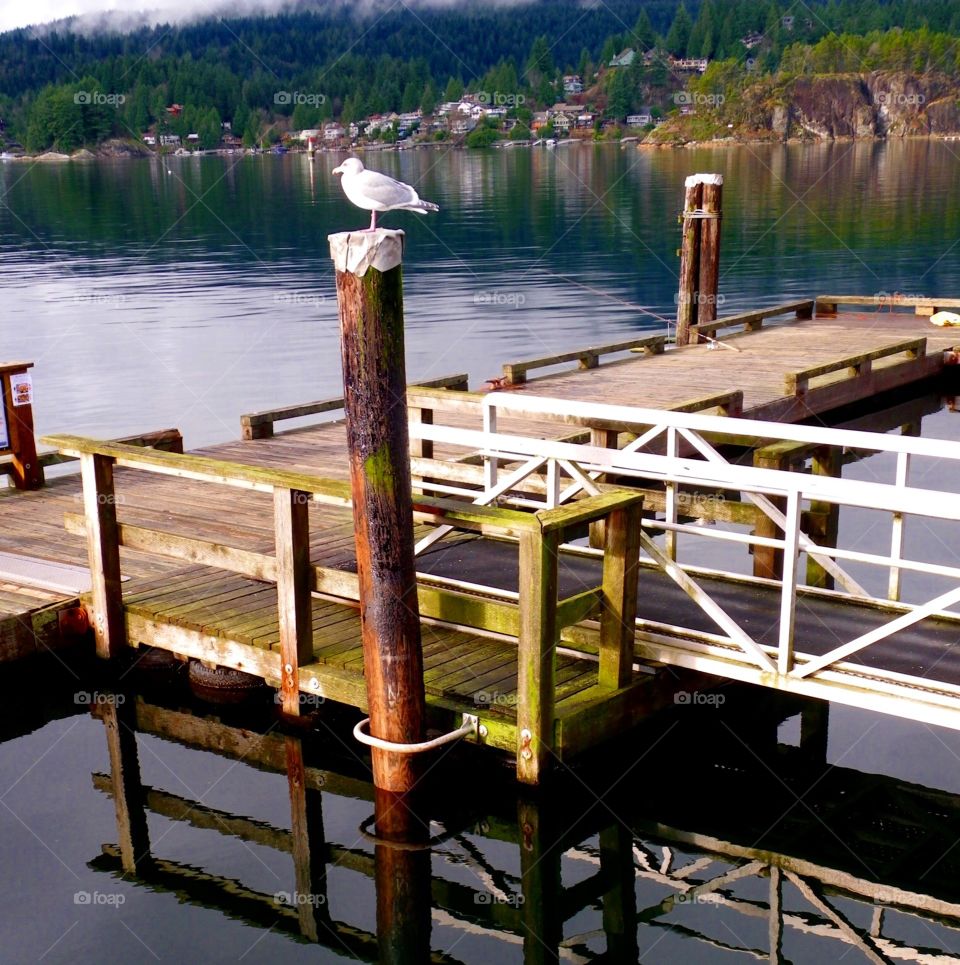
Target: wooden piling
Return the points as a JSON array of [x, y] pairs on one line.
[[370, 299], [711, 204], [699, 254], [689, 259]]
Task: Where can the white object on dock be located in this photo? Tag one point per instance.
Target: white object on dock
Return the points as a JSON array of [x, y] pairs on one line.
[[44, 574], [945, 319]]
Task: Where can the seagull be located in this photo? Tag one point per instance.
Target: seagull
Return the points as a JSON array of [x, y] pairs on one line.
[[377, 192]]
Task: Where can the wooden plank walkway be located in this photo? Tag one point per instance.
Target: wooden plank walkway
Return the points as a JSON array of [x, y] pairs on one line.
[[761, 365], [784, 372]]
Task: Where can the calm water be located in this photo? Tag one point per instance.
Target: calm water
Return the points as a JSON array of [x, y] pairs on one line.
[[185, 292]]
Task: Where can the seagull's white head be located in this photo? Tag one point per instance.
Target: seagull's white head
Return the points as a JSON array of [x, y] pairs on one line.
[[352, 165]]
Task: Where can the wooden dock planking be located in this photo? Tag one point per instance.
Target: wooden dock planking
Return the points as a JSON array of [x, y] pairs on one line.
[[759, 367], [463, 671]]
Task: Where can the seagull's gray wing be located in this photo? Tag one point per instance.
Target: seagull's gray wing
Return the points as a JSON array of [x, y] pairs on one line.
[[384, 190]]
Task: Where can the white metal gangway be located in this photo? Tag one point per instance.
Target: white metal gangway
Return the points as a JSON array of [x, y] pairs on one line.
[[686, 458]]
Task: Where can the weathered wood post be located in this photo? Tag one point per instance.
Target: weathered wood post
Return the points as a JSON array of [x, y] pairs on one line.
[[711, 206], [689, 259], [370, 299], [17, 437], [699, 254]]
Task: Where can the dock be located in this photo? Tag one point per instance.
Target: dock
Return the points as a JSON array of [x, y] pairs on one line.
[[545, 647]]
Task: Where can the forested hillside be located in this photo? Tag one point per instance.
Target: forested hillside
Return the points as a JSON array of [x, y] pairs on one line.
[[62, 88]]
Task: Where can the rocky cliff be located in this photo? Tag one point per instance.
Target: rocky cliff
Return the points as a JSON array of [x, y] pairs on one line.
[[870, 105]]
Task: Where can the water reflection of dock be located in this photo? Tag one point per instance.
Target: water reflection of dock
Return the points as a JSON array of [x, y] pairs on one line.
[[641, 858], [242, 555]]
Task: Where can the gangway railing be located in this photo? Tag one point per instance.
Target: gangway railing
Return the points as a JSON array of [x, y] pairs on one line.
[[673, 450]]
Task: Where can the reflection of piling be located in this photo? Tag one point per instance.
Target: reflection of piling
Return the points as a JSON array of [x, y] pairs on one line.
[[370, 298], [699, 254], [402, 874]]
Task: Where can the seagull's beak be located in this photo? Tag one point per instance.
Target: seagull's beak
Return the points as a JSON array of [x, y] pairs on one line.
[[338, 169]]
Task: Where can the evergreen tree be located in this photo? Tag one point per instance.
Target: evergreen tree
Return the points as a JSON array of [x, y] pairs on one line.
[[678, 37]]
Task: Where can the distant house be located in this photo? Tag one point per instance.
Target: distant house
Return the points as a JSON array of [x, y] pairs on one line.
[[462, 125], [624, 59], [788, 22], [333, 132], [751, 40], [639, 120], [175, 110], [231, 140], [540, 119], [193, 138], [150, 140], [169, 140], [309, 133], [561, 122], [586, 119], [690, 64], [572, 84]]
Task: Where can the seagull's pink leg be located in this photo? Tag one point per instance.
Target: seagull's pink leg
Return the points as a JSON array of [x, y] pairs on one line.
[[373, 221]]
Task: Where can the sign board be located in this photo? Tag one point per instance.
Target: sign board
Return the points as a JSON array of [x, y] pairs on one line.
[[21, 389]]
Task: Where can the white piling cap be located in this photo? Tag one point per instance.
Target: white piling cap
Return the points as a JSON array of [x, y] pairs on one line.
[[695, 179], [356, 251]]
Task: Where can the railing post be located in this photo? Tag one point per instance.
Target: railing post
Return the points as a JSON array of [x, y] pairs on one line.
[[103, 551], [621, 563], [788, 597], [896, 538], [16, 425], [670, 497], [292, 535], [370, 299], [537, 651], [603, 439], [767, 560], [490, 465], [824, 517]]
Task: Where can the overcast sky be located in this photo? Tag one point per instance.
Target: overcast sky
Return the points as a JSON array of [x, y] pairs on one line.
[[20, 13]]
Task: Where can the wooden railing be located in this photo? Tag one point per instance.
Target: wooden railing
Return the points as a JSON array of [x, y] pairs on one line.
[[752, 321], [515, 373], [259, 425], [828, 304], [534, 615], [18, 446], [855, 366]]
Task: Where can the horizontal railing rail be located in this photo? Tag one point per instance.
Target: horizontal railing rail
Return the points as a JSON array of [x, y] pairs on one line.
[[259, 425], [515, 373], [752, 321], [921, 304]]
